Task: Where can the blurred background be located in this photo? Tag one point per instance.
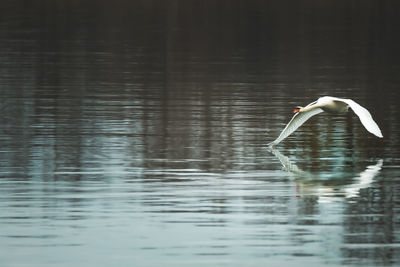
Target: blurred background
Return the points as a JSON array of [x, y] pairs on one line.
[[135, 132]]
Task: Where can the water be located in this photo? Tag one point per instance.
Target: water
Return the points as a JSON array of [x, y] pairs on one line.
[[135, 134]]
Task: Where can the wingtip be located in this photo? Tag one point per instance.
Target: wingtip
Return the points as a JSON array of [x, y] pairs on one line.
[[271, 145], [379, 134]]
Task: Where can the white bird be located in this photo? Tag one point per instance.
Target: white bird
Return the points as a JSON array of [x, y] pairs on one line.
[[331, 105]]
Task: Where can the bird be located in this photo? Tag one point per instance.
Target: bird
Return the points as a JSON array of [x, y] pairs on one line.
[[331, 105], [306, 179]]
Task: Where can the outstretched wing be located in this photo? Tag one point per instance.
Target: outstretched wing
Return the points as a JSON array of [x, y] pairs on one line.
[[287, 164], [364, 179], [364, 115], [297, 120]]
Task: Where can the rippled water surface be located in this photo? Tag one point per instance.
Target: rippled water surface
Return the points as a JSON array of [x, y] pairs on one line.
[[134, 134]]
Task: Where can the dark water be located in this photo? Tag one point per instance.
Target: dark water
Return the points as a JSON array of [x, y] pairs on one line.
[[134, 133]]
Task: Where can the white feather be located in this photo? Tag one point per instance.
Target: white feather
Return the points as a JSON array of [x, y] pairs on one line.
[[298, 119], [364, 115]]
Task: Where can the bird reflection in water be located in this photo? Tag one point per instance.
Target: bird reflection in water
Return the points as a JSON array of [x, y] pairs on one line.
[[308, 183]]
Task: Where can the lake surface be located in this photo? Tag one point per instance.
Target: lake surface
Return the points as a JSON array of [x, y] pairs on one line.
[[134, 134]]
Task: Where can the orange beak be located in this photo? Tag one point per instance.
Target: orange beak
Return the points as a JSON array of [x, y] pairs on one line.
[[296, 110]]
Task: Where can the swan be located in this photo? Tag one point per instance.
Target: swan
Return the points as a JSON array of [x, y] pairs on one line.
[[331, 105], [362, 180]]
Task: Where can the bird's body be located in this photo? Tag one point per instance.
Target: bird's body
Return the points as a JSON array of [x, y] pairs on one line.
[[328, 104], [331, 105]]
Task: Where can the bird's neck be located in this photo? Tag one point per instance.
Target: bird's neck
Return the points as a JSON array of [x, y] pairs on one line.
[[309, 108]]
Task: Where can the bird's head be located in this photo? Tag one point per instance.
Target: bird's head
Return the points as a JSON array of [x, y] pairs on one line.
[[297, 109]]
